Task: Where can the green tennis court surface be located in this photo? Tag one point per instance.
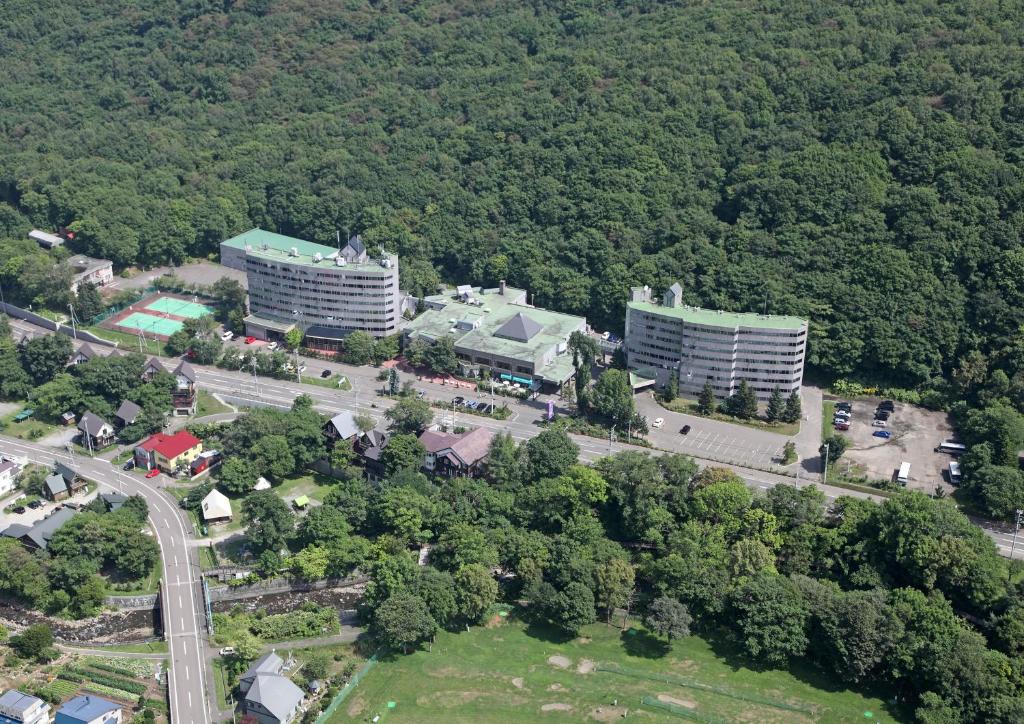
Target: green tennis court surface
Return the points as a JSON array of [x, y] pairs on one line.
[[179, 307], [150, 323]]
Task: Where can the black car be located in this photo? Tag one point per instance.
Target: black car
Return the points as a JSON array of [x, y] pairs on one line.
[[20, 509], [844, 406], [887, 405], [130, 465], [325, 374], [685, 430], [35, 504], [882, 415], [459, 400]]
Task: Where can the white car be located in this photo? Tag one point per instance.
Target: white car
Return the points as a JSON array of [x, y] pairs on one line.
[[879, 423], [272, 346], [226, 337], [227, 651], [658, 422]]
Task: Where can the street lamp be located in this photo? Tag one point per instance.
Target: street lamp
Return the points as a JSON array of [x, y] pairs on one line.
[[1016, 527], [824, 471]]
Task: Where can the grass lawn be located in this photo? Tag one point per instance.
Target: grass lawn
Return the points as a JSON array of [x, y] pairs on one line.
[[206, 560], [130, 342], [513, 673], [220, 683], [689, 407], [209, 405], [314, 485], [330, 382], [30, 429], [140, 588]]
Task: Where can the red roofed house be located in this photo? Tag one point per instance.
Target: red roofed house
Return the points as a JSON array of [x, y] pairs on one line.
[[452, 454], [168, 452]]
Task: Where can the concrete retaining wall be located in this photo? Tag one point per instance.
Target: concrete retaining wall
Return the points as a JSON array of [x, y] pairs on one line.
[[19, 313]]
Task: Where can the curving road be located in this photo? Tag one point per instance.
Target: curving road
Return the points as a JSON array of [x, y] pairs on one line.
[[183, 609]]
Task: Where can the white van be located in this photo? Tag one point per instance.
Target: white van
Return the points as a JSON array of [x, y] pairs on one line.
[[226, 337], [903, 476]]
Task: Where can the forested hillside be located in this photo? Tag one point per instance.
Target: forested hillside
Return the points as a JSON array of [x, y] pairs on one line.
[[855, 163]]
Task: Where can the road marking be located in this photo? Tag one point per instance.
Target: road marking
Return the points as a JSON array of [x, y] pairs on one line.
[[179, 601], [186, 672]]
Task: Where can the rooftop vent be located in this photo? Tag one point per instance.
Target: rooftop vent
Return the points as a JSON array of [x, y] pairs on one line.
[[340, 261], [386, 263], [294, 251], [318, 257]]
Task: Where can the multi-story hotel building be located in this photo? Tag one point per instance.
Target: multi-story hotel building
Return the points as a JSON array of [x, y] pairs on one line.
[[701, 345], [326, 292]]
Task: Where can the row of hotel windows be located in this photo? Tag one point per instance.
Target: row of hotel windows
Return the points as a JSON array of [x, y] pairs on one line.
[[349, 289], [674, 357], [710, 344], [676, 326]]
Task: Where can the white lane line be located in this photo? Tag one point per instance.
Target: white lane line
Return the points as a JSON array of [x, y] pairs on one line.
[[186, 672]]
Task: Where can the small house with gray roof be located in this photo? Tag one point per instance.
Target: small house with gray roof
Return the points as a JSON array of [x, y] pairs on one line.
[[341, 427], [96, 432], [37, 536], [127, 413], [452, 454], [267, 695]]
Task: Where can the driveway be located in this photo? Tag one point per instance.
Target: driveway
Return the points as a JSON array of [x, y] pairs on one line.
[[59, 438], [31, 515]]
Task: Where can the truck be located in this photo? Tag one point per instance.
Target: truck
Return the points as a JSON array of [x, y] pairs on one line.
[[903, 476]]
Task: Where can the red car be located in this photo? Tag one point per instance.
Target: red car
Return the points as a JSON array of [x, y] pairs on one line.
[[153, 473], [250, 340]]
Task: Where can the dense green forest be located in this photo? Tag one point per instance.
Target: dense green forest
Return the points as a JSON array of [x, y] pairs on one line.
[[855, 163]]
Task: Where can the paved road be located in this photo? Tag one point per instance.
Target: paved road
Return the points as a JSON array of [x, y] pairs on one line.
[[183, 606]]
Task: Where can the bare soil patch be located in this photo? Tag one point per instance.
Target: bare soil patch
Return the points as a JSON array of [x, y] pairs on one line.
[[518, 682], [678, 702], [561, 662], [556, 687], [357, 706], [556, 707], [607, 713], [585, 666]]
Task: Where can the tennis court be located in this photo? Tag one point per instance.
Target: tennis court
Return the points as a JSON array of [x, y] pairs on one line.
[[179, 307], [150, 323]]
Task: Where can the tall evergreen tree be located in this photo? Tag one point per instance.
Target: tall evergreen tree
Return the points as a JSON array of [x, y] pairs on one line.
[[776, 406], [793, 409], [672, 388], [706, 401]]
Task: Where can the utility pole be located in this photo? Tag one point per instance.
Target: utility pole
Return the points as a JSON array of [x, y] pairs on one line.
[[824, 471], [1016, 527], [74, 331], [610, 434]]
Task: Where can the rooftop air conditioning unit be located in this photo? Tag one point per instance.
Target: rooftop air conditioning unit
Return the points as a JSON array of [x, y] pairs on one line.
[[339, 261], [386, 263], [318, 257], [294, 251]]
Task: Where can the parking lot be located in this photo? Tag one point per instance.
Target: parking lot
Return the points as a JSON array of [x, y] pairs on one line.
[[915, 434]]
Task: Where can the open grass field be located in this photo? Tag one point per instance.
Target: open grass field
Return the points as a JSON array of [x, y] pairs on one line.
[[513, 673], [30, 429], [314, 485], [210, 405]]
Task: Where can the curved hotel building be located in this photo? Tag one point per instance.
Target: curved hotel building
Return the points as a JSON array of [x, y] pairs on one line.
[[326, 292], [701, 345]]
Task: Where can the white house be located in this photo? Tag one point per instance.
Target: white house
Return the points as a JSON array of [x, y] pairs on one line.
[[216, 507], [8, 473], [22, 708]]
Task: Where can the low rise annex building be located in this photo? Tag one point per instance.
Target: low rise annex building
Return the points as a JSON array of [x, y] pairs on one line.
[[702, 345], [326, 292], [496, 330]]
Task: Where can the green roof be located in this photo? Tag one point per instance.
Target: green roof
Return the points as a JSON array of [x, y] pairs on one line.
[[302, 501], [715, 318], [528, 332], [256, 238]]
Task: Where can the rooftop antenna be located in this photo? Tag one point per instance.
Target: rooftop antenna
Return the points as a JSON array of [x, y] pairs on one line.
[[337, 233], [766, 302]]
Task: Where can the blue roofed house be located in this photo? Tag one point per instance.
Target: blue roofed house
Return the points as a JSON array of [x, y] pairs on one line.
[[23, 709], [89, 709]]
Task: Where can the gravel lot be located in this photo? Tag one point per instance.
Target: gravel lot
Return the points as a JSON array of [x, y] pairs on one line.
[[915, 433], [203, 272]]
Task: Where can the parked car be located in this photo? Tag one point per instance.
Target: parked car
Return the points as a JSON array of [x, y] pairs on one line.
[[885, 434], [226, 337], [227, 651], [881, 415], [325, 374], [153, 473], [20, 509], [272, 346], [685, 430], [887, 405], [130, 465], [658, 422], [842, 426], [844, 406], [250, 339], [843, 413], [36, 504], [879, 423], [459, 400], [302, 368]]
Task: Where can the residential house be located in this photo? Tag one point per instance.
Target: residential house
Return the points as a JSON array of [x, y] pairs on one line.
[[8, 475], [113, 501], [267, 696], [216, 507], [37, 536], [152, 368], [63, 483], [87, 269], [341, 427], [127, 414], [82, 354], [89, 709], [96, 432], [22, 708], [369, 446], [183, 396], [168, 452], [452, 454]]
